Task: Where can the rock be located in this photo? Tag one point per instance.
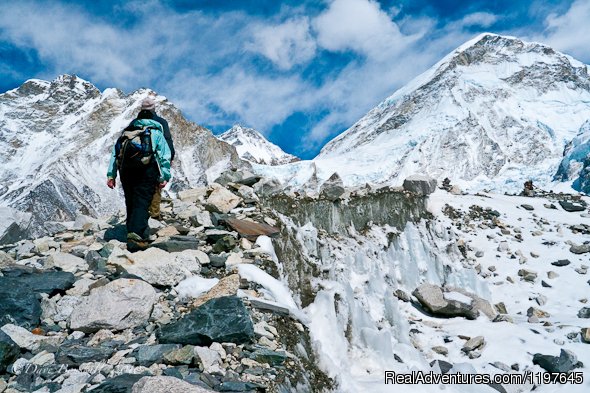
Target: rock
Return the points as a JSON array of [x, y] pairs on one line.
[[210, 361], [441, 350], [566, 362], [541, 300], [19, 303], [545, 284], [227, 286], [5, 260], [442, 365], [561, 262], [333, 188], [147, 355], [119, 384], [202, 218], [527, 207], [178, 243], [273, 358], [165, 384], [247, 193], [119, 305], [167, 232], [183, 355], [571, 207], [251, 230], [76, 355], [527, 275], [473, 343], [432, 298], [9, 351], [225, 244], [580, 249], [552, 275], [49, 282], [267, 187], [584, 312], [14, 225], [420, 184], [267, 305], [66, 262], [239, 176], [535, 312], [193, 195], [95, 260], [223, 319], [27, 340], [584, 333], [218, 261], [156, 266], [503, 318], [222, 201], [503, 246]]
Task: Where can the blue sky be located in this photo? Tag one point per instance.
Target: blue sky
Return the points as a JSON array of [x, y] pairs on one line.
[[301, 72]]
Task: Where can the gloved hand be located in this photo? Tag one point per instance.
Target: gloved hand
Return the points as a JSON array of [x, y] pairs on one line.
[[111, 183]]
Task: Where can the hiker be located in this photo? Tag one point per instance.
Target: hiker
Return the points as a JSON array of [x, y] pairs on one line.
[[148, 111], [142, 158]]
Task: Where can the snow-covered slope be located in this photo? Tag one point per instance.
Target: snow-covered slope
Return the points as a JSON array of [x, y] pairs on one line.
[[495, 112], [55, 142], [254, 147]]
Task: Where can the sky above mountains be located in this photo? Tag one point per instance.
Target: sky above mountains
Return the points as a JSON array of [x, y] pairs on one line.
[[300, 72]]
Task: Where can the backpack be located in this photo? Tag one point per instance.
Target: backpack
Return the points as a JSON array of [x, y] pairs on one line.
[[134, 148]]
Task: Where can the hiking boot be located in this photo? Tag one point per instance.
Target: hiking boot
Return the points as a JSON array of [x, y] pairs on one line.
[[136, 243]]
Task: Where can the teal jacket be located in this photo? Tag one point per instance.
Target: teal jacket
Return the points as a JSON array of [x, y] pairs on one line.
[[159, 145]]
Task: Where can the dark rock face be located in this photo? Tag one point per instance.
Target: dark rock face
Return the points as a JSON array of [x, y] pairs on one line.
[[77, 354], [18, 302], [566, 361], [263, 355], [49, 282], [571, 207], [178, 244], [223, 319], [120, 384], [9, 351], [561, 262]]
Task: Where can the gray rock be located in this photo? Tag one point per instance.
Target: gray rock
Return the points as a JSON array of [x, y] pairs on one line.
[[441, 350], [178, 244], [19, 303], [580, 249], [561, 262], [223, 319], [432, 298], [14, 225], [333, 188], [566, 362], [119, 305], [66, 262], [209, 360], [571, 207], [147, 355], [165, 384], [420, 184], [584, 333], [119, 384], [584, 312], [75, 355], [156, 266], [527, 207], [267, 187], [27, 340], [473, 343], [273, 358], [222, 201], [527, 275]]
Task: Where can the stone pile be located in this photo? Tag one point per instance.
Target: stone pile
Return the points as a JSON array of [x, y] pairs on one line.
[[81, 313]]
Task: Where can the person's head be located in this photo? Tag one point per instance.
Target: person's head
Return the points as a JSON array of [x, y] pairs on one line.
[[148, 108]]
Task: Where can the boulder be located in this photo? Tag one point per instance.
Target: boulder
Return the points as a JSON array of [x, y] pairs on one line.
[[119, 305], [156, 266], [66, 262], [222, 201], [267, 187], [420, 184], [571, 207], [561, 262], [49, 282], [193, 195], [19, 304], [5, 260], [247, 193], [223, 319], [147, 355], [75, 355], [584, 333], [178, 243], [566, 362], [119, 384], [580, 248], [333, 188], [227, 286], [9, 351], [251, 230], [433, 299], [165, 384], [27, 340], [584, 312], [209, 360]]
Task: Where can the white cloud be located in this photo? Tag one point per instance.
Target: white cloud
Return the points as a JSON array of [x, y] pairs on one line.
[[569, 32], [483, 19], [358, 25], [286, 44]]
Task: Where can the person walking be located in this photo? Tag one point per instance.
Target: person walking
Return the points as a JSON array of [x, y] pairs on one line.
[[148, 111], [142, 157]]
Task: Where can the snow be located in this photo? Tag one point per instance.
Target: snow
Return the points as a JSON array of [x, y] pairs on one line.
[[456, 296], [195, 286]]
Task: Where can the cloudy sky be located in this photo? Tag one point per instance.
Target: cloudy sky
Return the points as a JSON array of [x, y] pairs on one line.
[[301, 72]]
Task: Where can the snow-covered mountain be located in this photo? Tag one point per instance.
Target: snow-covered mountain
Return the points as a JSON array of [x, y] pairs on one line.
[[55, 142], [494, 113], [254, 147]]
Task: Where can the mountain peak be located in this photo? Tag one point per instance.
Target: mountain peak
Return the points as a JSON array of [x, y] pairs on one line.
[[251, 145]]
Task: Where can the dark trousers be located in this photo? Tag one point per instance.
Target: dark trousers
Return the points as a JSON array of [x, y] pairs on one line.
[[139, 186]]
